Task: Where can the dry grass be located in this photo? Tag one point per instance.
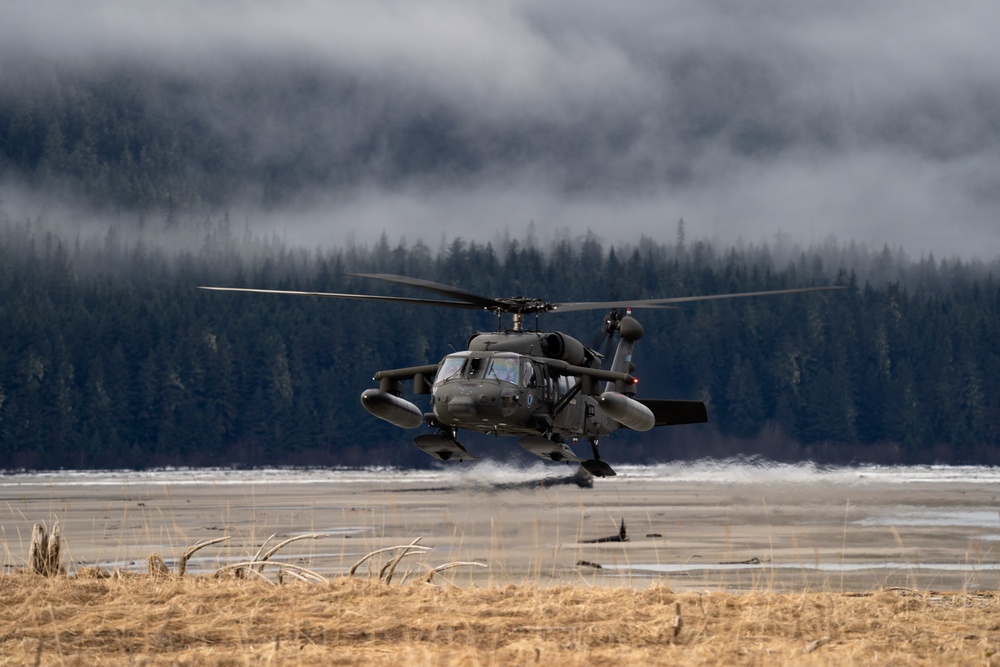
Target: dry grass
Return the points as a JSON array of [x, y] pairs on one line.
[[146, 620]]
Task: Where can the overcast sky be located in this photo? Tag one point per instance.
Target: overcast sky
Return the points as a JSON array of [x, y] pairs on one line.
[[877, 122]]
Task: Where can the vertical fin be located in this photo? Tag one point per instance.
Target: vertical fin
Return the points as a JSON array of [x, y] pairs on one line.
[[629, 331]]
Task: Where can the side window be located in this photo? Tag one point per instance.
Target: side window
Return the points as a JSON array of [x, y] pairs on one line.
[[529, 374]]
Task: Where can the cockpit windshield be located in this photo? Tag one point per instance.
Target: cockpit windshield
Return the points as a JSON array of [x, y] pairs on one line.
[[504, 367], [452, 366]]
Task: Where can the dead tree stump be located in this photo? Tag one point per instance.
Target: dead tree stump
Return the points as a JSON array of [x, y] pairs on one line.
[[43, 554]]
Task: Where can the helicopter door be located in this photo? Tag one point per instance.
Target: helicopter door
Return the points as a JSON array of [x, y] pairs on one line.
[[545, 382]]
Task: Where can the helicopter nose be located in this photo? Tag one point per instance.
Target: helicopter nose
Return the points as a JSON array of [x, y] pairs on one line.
[[464, 404], [478, 402]]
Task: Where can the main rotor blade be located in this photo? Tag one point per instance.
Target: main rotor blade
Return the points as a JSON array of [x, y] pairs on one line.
[[471, 301], [660, 303], [600, 305], [360, 297], [447, 290]]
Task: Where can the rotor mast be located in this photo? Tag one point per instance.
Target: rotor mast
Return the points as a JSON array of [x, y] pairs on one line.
[[519, 306]]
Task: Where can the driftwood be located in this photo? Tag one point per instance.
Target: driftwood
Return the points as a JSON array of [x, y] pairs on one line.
[[52, 565], [282, 573], [44, 554], [448, 566], [622, 536], [302, 573], [390, 567], [262, 559], [44, 551], [255, 566], [263, 544], [182, 563], [37, 550], [250, 567], [412, 545], [241, 570]]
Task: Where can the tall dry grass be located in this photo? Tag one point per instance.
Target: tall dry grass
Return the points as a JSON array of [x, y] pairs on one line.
[[147, 620]]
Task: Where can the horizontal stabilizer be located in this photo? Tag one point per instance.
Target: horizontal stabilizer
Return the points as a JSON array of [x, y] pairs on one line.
[[671, 413]]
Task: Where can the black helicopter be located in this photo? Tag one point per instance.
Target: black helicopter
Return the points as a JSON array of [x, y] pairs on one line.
[[542, 387]]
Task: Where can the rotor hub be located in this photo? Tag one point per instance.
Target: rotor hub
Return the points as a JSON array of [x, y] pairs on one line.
[[519, 305]]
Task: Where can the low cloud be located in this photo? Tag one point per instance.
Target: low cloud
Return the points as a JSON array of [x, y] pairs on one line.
[[877, 123]]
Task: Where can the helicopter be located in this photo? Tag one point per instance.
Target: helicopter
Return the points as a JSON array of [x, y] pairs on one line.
[[542, 387]]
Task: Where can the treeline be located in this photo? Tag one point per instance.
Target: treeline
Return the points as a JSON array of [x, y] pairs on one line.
[[110, 356]]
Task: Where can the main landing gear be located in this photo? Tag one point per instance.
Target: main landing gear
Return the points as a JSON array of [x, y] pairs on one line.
[[596, 466]]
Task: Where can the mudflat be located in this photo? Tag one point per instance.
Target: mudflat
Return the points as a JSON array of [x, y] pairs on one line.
[[691, 527]]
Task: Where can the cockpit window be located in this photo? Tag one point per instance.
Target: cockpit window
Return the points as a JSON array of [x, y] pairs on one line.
[[504, 368], [452, 366]]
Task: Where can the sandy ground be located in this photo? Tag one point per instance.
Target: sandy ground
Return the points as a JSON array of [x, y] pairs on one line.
[[734, 527]]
